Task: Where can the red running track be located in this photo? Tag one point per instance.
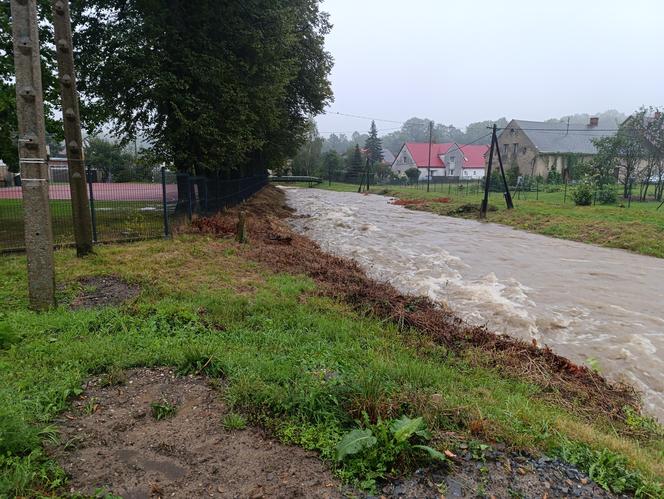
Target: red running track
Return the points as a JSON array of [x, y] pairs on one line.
[[105, 192]]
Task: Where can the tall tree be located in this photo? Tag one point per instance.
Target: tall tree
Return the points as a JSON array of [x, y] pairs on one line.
[[373, 145], [222, 88]]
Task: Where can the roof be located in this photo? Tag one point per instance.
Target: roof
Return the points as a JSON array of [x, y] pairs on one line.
[[388, 157], [420, 153], [554, 137], [473, 155]]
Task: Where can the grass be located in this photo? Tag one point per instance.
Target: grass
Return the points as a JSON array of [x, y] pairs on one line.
[[638, 228], [299, 364], [162, 409], [233, 421], [116, 220]]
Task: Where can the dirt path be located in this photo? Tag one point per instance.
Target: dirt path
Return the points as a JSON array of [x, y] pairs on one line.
[[113, 442]]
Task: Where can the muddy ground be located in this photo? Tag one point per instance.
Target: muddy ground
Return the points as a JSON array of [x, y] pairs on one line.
[[99, 291], [111, 441]]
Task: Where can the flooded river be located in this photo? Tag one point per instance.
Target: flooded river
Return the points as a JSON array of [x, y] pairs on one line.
[[584, 301]]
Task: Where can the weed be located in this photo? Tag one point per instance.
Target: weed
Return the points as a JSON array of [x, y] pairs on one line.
[[643, 424], [114, 377], [199, 360], [609, 470], [162, 410], [90, 406], [372, 452], [233, 421]]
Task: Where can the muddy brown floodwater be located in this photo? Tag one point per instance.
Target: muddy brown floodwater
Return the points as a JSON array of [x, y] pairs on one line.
[[597, 306]]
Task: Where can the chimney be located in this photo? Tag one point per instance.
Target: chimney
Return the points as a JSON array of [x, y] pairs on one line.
[[594, 121]]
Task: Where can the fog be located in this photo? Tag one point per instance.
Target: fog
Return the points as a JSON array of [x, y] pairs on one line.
[[465, 61]]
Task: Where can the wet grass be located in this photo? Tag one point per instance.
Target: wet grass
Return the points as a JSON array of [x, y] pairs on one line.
[[302, 365], [638, 228]]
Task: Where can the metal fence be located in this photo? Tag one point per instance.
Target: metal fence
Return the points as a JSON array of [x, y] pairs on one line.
[[128, 211]]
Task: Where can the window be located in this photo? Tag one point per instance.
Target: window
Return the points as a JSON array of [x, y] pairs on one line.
[[465, 173], [405, 159], [505, 149], [452, 162], [524, 150], [515, 151]]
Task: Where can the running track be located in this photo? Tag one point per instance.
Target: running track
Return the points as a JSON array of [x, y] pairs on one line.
[[105, 192]]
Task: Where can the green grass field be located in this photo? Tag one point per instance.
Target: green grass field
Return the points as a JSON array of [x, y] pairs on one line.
[[116, 220], [638, 228], [297, 363]]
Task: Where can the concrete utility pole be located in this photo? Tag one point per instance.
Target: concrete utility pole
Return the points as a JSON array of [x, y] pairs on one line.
[[32, 155], [429, 164], [80, 205]]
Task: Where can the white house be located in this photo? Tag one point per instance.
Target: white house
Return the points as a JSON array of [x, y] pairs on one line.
[[447, 160]]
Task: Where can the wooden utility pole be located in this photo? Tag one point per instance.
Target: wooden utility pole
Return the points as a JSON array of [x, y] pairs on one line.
[[429, 167], [487, 181], [80, 205], [32, 155], [507, 194]]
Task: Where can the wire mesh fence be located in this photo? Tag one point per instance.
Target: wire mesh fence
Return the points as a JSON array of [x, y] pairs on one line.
[[128, 211], [645, 195]]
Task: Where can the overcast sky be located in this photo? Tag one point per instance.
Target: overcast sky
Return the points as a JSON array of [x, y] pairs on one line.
[[469, 60]]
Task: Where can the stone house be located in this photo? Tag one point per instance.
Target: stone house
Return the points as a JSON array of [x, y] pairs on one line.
[[536, 146], [447, 160]]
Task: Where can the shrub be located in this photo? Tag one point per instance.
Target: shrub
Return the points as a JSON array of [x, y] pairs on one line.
[[413, 175], [607, 195], [583, 194]]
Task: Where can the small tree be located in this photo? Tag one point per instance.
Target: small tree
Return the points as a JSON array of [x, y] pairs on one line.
[[374, 145], [331, 162], [622, 152], [356, 166], [413, 175]]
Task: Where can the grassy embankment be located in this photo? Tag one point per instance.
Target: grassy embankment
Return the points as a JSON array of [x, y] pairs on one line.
[[639, 228], [304, 365]]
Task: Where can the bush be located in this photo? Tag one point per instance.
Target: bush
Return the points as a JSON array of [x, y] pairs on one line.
[[583, 195], [413, 175], [607, 195]]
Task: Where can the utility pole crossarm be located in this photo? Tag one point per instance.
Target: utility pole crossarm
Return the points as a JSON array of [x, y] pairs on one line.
[[72, 125], [32, 155]]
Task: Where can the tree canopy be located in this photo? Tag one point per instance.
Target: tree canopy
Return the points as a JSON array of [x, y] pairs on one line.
[[219, 86]]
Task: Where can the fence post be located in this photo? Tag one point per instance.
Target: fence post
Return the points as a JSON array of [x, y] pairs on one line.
[[190, 207], [163, 200], [93, 213], [537, 189], [565, 195]]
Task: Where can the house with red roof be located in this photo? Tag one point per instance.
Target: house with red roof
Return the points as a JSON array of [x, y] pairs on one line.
[[447, 160]]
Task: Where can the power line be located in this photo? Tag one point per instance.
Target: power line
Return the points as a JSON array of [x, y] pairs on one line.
[[363, 117]]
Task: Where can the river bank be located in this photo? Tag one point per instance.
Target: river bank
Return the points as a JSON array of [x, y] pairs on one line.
[[304, 348]]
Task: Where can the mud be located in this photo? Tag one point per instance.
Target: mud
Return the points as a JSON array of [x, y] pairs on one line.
[[112, 442], [498, 475], [103, 291]]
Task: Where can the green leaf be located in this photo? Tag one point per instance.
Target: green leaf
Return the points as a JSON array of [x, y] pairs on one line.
[[439, 456], [405, 427], [353, 442]]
